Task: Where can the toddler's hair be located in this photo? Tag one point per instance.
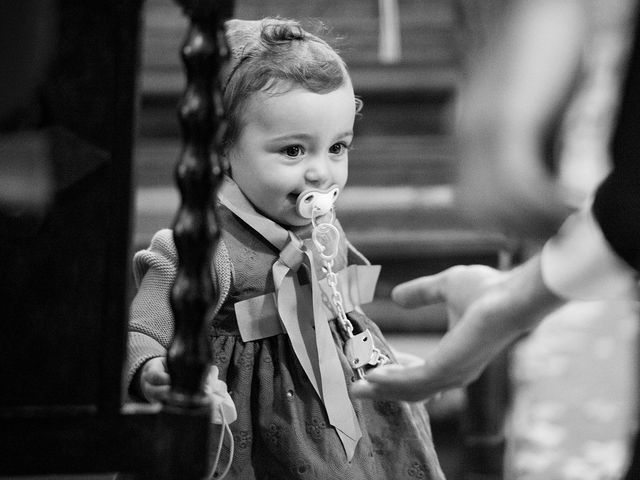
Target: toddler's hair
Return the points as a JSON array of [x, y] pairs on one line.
[[274, 55]]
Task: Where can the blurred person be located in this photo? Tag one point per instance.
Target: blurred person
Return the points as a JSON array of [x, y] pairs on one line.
[[510, 109]]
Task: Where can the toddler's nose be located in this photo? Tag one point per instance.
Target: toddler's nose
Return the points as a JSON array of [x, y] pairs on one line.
[[318, 173]]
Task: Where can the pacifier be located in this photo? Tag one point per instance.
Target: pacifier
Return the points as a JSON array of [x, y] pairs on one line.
[[313, 202]]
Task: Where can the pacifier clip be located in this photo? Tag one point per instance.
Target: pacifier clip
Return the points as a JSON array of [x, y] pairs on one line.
[[315, 205]]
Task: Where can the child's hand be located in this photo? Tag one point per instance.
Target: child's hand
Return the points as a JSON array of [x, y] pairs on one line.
[[154, 380]]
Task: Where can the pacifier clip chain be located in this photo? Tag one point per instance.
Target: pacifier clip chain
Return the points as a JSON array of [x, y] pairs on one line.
[[359, 349]]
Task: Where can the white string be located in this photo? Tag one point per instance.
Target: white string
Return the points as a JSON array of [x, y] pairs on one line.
[[231, 449], [225, 429]]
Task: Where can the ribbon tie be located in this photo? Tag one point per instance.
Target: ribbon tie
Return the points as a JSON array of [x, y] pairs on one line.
[[300, 311]]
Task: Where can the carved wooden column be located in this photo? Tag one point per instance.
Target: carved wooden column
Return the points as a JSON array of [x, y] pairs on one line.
[[198, 175], [196, 232]]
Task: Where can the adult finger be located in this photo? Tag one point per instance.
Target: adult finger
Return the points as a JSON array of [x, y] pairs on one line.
[[420, 291], [393, 382]]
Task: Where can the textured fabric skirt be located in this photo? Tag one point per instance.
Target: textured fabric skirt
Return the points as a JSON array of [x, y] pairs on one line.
[[282, 430]]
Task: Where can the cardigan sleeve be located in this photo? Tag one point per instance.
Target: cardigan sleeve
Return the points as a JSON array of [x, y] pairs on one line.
[[617, 202], [151, 321], [150, 318], [579, 264], [617, 209]]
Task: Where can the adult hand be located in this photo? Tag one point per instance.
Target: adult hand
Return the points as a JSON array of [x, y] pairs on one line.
[[458, 287], [154, 380], [493, 307]]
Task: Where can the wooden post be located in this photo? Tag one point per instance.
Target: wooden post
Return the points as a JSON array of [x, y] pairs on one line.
[[198, 175], [196, 232]]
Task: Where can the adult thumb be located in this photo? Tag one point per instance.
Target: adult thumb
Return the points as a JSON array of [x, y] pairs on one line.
[[419, 292]]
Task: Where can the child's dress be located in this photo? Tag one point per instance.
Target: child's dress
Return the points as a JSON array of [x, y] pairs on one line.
[[261, 344]]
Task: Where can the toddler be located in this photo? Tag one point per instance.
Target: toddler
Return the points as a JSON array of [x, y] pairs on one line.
[[288, 336]]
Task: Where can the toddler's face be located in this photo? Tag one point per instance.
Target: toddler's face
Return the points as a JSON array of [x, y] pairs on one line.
[[290, 142]]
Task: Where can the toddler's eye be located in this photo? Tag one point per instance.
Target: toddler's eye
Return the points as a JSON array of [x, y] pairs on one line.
[[338, 148], [293, 151]]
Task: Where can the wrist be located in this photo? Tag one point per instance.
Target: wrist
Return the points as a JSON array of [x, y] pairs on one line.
[[523, 298]]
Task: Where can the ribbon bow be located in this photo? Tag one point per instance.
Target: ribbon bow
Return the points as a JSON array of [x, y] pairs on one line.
[[300, 310]]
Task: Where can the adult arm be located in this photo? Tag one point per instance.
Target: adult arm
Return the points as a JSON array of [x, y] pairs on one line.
[[490, 308]]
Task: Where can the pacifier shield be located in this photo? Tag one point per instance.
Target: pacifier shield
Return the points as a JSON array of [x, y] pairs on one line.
[[314, 202]]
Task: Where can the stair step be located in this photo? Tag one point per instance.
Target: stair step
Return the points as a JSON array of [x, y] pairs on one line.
[[393, 319], [428, 39]]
